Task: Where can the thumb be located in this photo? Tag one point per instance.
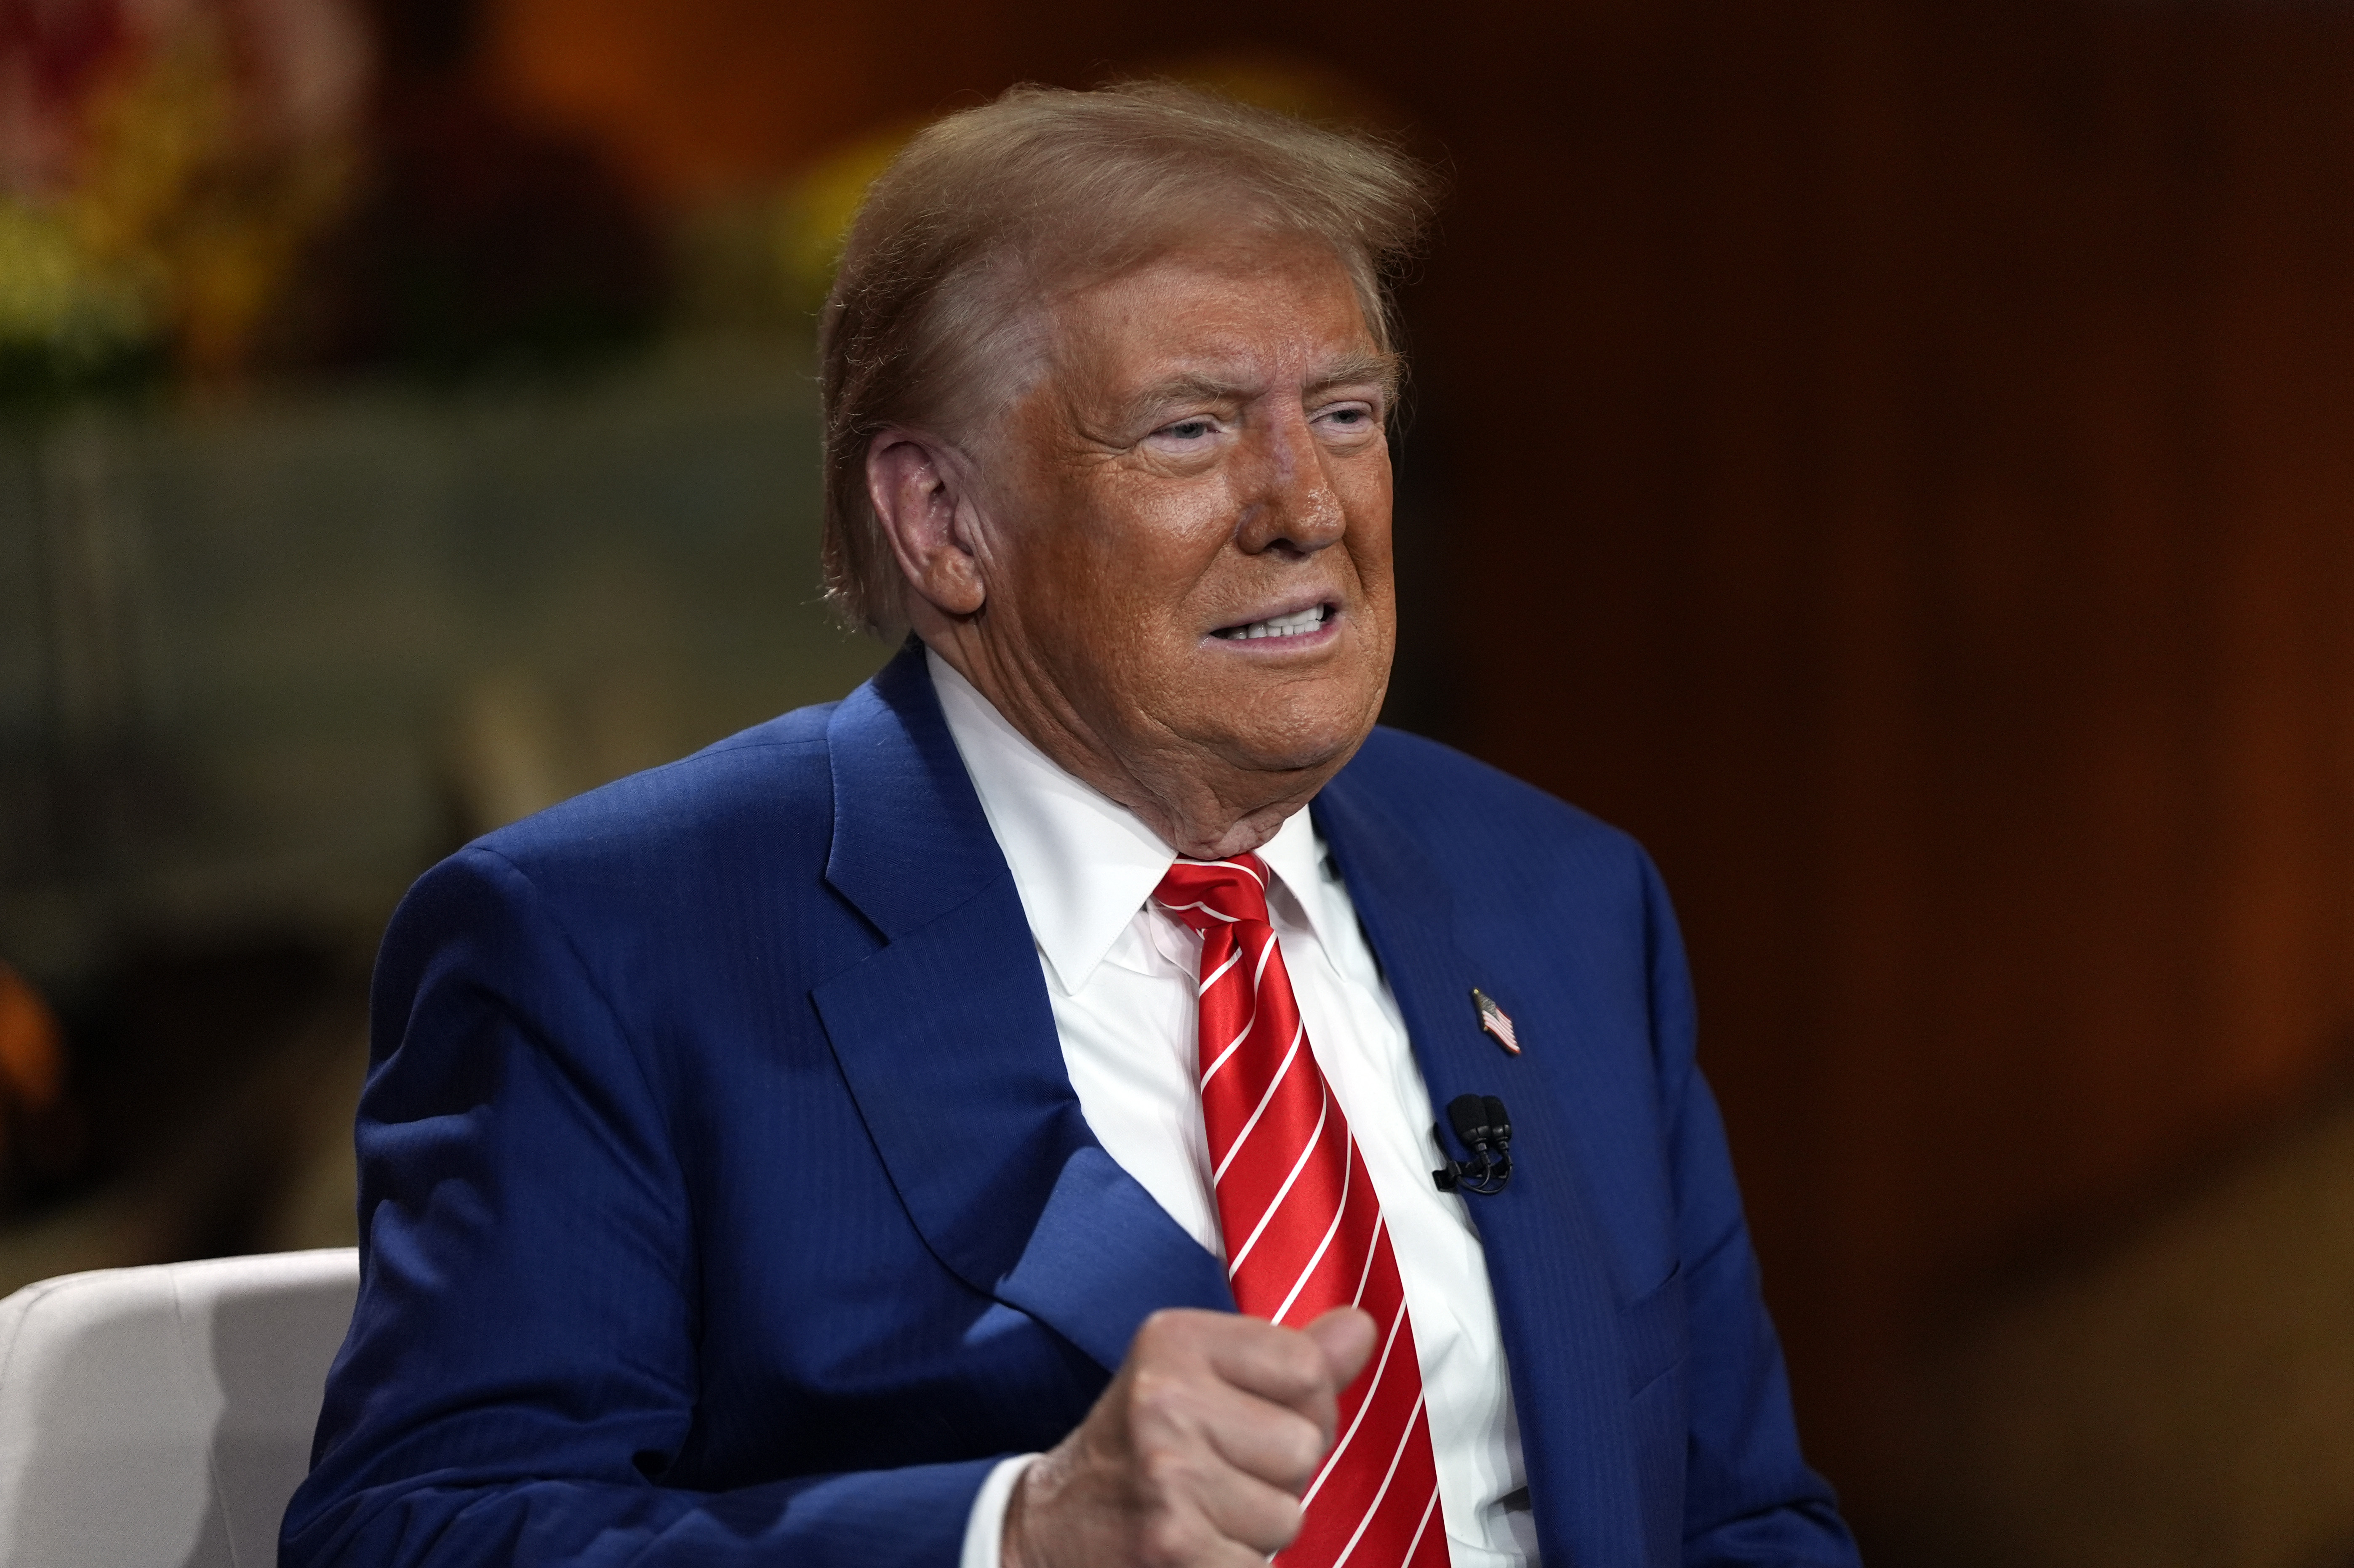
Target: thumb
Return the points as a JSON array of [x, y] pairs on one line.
[[1345, 1335]]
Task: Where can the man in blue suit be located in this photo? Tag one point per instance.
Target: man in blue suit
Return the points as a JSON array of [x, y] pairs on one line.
[[853, 1143]]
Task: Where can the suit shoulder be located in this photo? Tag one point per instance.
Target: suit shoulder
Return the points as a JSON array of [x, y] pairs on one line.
[[770, 784], [1527, 849], [1444, 793]]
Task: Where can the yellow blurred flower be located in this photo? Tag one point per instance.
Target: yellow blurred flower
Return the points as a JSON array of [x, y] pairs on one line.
[[813, 217], [214, 143], [178, 179], [60, 307]]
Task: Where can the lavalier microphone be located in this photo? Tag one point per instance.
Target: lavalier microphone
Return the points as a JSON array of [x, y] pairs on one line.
[[1486, 1132]]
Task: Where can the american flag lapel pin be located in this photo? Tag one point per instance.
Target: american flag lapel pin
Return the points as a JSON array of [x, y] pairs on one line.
[[1495, 1021]]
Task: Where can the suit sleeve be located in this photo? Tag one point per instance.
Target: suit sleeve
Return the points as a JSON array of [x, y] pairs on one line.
[[522, 1363], [1749, 1496]]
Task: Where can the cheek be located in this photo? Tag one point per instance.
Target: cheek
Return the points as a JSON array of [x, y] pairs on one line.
[[1097, 608], [1138, 552], [1367, 503]]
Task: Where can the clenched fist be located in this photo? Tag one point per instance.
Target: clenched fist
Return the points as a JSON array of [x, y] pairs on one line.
[[1196, 1455]]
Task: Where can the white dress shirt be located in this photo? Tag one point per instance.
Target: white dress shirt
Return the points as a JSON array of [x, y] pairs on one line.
[[1120, 975]]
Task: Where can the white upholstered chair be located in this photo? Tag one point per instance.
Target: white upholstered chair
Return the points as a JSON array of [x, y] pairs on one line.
[[160, 1417]]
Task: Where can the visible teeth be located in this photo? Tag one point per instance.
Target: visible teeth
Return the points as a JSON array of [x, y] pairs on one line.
[[1291, 625]]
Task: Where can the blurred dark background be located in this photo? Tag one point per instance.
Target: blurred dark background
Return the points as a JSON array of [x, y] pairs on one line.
[[1896, 458]]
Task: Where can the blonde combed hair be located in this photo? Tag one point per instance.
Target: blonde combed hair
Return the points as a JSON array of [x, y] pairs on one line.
[[986, 212]]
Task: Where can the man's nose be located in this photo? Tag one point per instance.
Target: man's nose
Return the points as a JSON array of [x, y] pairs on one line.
[[1289, 503]]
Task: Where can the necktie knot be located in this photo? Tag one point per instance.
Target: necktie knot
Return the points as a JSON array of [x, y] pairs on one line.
[[1204, 893]]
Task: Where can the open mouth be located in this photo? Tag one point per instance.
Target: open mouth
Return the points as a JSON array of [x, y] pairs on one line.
[[1299, 624]]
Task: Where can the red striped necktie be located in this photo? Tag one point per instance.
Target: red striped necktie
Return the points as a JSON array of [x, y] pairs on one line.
[[1303, 1227]]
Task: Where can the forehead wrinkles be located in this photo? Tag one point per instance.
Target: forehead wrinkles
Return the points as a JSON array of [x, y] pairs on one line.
[[1118, 353]]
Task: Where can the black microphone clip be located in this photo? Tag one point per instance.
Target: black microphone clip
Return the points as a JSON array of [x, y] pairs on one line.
[[1480, 1122]]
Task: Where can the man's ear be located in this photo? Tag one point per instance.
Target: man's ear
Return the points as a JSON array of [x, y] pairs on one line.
[[922, 496]]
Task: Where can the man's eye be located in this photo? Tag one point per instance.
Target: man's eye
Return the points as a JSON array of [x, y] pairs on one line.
[[1350, 417], [1187, 429]]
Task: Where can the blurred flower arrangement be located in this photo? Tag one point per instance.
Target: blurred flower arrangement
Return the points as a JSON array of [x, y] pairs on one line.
[[204, 189], [164, 164], [200, 191]]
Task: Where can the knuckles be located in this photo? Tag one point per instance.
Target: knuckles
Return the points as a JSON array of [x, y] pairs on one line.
[[1169, 1475], [1160, 1405], [1300, 1451], [1174, 1329], [1283, 1364], [1165, 1340], [1284, 1528], [1169, 1539]]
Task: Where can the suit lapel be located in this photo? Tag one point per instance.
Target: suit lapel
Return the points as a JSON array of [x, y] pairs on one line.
[[948, 1044], [1545, 1257]]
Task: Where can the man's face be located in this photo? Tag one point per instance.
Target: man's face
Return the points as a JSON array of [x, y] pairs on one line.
[[1191, 566]]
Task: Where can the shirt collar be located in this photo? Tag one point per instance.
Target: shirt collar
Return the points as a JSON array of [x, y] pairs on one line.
[[1296, 856], [1083, 862]]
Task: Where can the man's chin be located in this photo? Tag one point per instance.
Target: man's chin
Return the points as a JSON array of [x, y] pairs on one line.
[[1298, 744]]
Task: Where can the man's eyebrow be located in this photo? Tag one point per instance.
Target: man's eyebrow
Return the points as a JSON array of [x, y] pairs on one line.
[[1381, 369], [1191, 388]]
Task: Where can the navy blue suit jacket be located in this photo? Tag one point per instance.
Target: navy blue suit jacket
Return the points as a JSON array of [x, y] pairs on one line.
[[724, 1198]]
